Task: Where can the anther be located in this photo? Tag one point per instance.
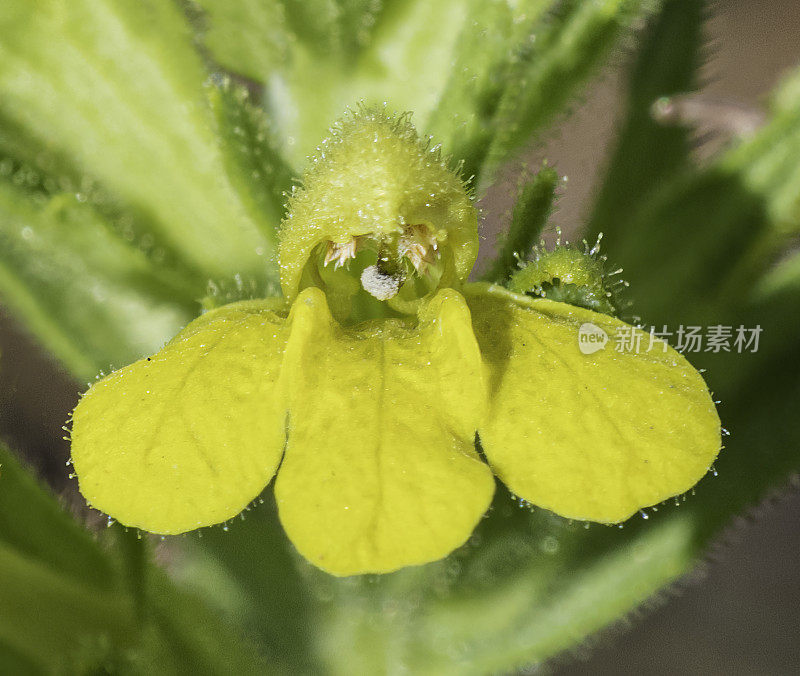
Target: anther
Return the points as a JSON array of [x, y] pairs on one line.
[[341, 253]]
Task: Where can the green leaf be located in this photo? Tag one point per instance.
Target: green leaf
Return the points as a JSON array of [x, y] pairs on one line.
[[747, 201], [91, 298], [44, 612], [493, 39], [405, 64], [358, 20], [698, 246], [32, 524], [317, 58], [248, 37], [255, 167], [188, 637], [767, 163], [55, 582], [666, 65], [124, 271], [249, 569], [135, 555], [254, 38], [482, 77], [70, 605], [534, 588], [335, 28], [516, 68], [95, 82], [533, 206], [42, 168], [575, 39], [14, 662]]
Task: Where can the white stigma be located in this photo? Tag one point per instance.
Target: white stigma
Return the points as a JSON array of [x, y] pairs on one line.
[[379, 284]]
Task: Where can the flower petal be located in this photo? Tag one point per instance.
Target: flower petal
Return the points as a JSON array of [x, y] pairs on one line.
[[380, 470], [588, 436], [190, 436]]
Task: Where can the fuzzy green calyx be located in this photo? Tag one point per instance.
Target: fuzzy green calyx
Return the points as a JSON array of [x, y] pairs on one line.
[[379, 211], [570, 275]]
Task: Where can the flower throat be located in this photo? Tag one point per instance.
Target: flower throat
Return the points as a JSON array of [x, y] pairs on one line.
[[379, 275]]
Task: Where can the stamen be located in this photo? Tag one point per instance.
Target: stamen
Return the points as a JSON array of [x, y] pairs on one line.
[[415, 243], [419, 246], [341, 253]]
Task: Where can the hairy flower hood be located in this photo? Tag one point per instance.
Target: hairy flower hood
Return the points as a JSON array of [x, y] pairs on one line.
[[374, 177]]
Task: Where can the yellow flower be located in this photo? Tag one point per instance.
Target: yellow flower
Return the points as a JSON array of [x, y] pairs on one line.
[[364, 387]]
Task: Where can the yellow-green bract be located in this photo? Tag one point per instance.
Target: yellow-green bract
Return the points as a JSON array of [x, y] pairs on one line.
[[365, 387]]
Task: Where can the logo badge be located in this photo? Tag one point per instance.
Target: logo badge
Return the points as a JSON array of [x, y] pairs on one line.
[[591, 338]]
